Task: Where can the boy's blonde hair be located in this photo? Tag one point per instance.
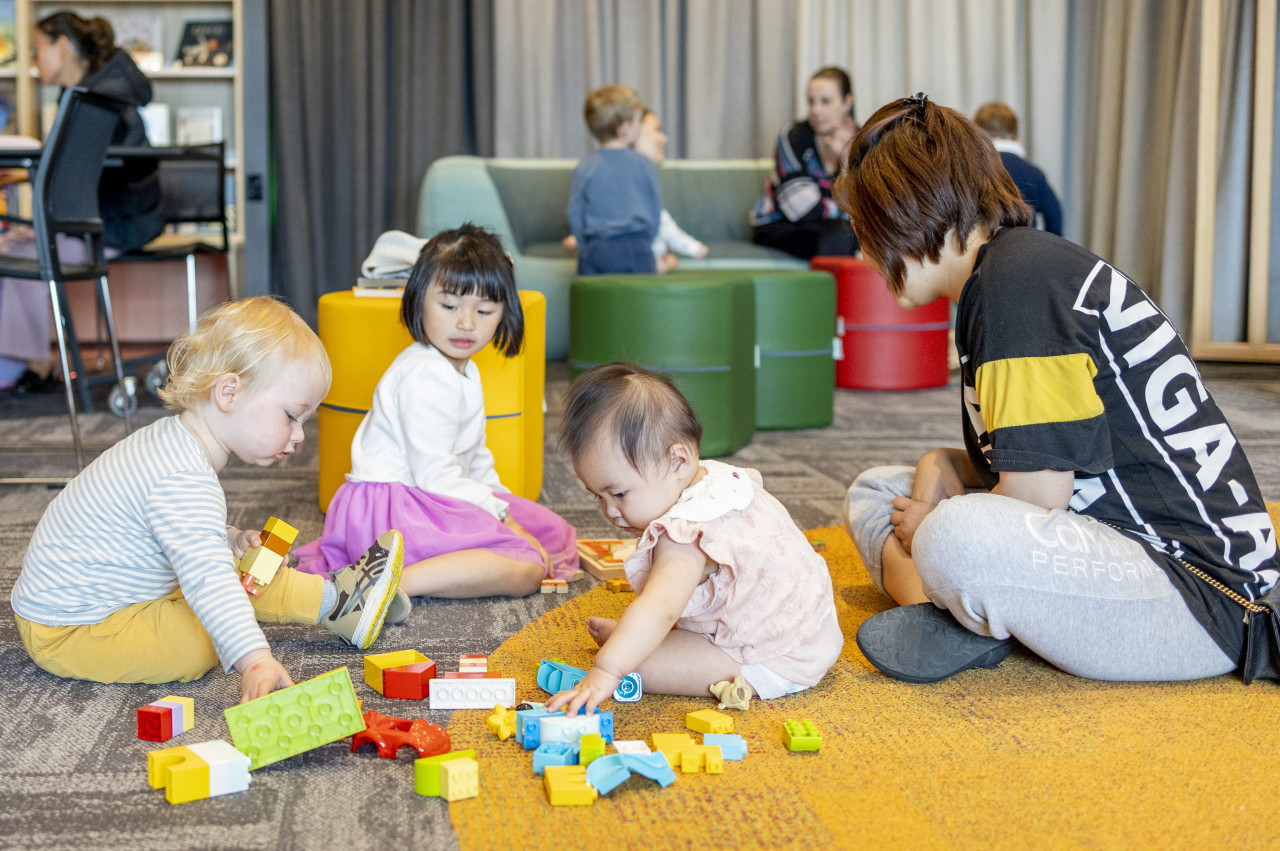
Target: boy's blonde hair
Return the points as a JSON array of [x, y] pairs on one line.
[[242, 337], [608, 108], [998, 120]]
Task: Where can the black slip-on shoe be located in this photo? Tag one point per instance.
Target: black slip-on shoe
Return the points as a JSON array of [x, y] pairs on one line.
[[922, 643]]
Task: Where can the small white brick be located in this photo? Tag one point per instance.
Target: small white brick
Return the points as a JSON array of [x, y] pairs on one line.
[[472, 694]]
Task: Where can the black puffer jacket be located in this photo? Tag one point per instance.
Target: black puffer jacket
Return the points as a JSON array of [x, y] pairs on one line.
[[128, 196]]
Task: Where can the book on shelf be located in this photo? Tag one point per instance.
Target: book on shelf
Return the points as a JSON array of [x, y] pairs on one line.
[[379, 287], [155, 118], [206, 44], [8, 33], [198, 125], [142, 37]]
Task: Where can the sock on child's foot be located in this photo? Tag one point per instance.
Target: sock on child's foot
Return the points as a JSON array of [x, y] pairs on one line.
[[328, 598]]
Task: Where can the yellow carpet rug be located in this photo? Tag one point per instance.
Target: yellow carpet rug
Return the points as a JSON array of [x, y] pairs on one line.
[[1020, 757]]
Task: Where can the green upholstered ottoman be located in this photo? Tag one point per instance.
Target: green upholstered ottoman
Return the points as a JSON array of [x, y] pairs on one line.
[[795, 326], [696, 327], [795, 333]]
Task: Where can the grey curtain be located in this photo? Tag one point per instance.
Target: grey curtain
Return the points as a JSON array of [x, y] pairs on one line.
[[365, 96]]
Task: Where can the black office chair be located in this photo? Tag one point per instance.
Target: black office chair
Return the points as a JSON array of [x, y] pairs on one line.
[[65, 201], [193, 183]]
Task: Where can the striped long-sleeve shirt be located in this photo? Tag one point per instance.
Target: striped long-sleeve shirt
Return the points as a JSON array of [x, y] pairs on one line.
[[146, 517]]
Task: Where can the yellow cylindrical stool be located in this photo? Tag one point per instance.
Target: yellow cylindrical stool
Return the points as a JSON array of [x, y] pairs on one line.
[[364, 335]]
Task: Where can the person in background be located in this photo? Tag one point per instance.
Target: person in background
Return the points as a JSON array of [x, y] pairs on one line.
[[671, 240], [797, 214], [615, 202], [69, 50], [1001, 123]]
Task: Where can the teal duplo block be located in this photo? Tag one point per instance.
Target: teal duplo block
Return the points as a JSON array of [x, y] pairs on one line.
[[696, 327], [795, 333]]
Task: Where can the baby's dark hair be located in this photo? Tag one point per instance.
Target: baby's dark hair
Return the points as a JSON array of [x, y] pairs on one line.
[[644, 411], [465, 261]]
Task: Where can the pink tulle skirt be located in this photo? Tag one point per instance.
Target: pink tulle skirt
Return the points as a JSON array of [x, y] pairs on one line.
[[433, 525]]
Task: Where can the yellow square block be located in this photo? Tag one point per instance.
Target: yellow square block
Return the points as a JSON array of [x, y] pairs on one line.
[[702, 758], [708, 721], [672, 745], [376, 663], [281, 529], [261, 563], [459, 778], [567, 786], [427, 774], [182, 774], [364, 335]]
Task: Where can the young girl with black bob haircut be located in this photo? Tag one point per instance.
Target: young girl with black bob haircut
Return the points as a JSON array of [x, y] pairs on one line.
[[719, 558], [1101, 502], [419, 461]]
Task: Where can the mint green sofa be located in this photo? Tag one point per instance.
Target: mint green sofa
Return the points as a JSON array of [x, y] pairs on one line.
[[525, 202]]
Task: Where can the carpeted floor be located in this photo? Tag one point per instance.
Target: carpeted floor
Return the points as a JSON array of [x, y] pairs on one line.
[[1020, 757], [905, 763]]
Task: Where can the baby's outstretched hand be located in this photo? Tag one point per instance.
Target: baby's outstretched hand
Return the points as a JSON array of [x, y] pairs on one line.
[[590, 691], [261, 676]]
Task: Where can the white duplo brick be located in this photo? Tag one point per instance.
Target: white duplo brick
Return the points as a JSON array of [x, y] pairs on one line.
[[228, 768], [472, 694]]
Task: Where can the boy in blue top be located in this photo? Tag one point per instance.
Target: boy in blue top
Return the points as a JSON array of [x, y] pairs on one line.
[[615, 203]]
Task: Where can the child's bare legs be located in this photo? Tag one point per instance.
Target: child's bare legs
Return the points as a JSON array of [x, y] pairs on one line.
[[471, 573], [684, 664], [901, 579]]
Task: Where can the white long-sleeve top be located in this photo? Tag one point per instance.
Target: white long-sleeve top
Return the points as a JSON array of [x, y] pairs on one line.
[[674, 239], [146, 517], [426, 430]]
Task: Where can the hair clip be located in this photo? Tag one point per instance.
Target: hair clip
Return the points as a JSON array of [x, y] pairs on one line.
[[510, 259], [919, 99]]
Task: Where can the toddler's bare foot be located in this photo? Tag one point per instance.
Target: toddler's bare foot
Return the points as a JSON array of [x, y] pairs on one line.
[[601, 629]]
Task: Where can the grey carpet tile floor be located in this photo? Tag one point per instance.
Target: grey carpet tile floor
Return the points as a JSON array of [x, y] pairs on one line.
[[74, 772]]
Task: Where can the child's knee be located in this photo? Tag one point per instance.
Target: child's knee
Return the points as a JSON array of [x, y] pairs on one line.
[[527, 578], [946, 544]]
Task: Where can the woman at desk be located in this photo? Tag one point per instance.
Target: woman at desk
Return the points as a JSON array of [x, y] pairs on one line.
[[71, 51]]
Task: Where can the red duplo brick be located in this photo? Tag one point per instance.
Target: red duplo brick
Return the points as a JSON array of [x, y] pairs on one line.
[[408, 682], [155, 723]]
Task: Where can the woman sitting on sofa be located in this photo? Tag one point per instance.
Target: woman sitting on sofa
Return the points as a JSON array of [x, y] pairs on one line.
[[797, 214]]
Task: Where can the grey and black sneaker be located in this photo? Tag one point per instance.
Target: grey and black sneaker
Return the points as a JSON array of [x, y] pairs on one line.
[[365, 591], [399, 608], [923, 643]]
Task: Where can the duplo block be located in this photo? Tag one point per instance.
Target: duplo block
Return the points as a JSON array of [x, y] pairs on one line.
[[732, 746], [701, 758], [708, 721], [408, 682], [296, 719], [459, 778], [376, 664], [204, 770], [566, 786], [671, 745], [553, 753], [590, 748], [472, 694], [801, 735], [163, 719], [426, 771], [558, 727]]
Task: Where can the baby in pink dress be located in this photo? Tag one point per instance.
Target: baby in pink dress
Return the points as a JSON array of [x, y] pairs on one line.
[[719, 558]]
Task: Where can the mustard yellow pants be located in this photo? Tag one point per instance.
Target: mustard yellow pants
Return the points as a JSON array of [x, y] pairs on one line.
[[159, 641]]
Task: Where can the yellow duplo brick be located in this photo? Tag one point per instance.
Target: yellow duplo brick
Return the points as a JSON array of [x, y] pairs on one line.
[[427, 774], [567, 786], [261, 564], [376, 663], [281, 529], [182, 774], [672, 745], [709, 721], [459, 779]]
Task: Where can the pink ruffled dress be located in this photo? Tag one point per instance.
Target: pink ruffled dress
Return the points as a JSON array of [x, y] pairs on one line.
[[770, 601]]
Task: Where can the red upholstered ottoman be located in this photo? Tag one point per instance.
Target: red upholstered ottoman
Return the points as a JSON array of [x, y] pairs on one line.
[[885, 347]]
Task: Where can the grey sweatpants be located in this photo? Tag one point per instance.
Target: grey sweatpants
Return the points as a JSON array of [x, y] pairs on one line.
[[1078, 593]]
